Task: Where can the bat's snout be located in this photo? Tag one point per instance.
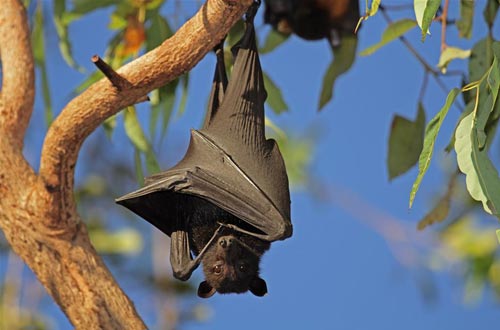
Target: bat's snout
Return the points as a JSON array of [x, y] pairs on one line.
[[225, 241]]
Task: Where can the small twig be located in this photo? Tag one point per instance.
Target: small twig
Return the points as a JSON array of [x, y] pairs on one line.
[[424, 85], [444, 16], [118, 81]]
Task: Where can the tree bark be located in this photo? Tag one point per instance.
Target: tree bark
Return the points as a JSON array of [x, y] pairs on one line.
[[37, 211]]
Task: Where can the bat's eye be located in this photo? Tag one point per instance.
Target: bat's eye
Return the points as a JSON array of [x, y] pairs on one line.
[[217, 269], [242, 268]]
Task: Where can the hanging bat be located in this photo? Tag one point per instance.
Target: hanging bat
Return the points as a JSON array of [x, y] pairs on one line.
[[313, 19], [228, 198]]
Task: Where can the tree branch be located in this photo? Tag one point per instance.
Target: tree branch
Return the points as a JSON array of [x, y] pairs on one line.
[[37, 213], [18, 92], [163, 64]]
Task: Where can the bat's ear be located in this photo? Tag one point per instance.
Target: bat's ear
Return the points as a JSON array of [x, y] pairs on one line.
[[258, 287], [205, 290]]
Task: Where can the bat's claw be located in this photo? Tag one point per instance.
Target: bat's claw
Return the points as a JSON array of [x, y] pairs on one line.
[[252, 11]]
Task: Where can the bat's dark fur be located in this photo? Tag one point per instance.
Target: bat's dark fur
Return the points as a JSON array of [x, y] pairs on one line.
[[313, 19], [232, 263]]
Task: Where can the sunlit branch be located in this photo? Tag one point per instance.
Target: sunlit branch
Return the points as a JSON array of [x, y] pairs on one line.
[[17, 94]]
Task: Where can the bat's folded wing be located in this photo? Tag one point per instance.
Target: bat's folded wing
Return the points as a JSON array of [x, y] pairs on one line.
[[208, 172]]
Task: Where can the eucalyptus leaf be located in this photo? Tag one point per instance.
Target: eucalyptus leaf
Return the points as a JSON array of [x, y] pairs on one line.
[[464, 24], [274, 39], [134, 130], [38, 42], [482, 179], [391, 33], [158, 31], [184, 84], [441, 209], [139, 172], [425, 10], [274, 96], [452, 53], [109, 126], [123, 241], [490, 12], [431, 133], [344, 57], [82, 7], [61, 25], [480, 59], [405, 143]]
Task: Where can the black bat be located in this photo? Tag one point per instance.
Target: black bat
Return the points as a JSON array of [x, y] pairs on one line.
[[228, 198], [313, 19]]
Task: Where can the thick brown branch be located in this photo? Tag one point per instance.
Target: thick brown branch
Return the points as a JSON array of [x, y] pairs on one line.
[[70, 269], [38, 213], [16, 99], [86, 112]]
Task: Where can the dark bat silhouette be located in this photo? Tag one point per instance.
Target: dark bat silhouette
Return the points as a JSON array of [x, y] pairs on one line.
[[313, 19], [228, 198]]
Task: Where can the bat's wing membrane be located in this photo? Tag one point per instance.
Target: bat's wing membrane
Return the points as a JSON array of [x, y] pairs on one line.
[[217, 179]]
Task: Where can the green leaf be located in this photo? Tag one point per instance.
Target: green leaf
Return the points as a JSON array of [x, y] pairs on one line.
[[61, 25], [482, 179], [498, 235], [162, 104], [38, 42], [392, 32], [82, 7], [158, 31], [373, 8], [182, 104], [405, 143], [425, 10], [488, 90], [438, 213], [490, 12], [297, 153], [441, 209], [139, 172], [274, 96], [235, 33], [135, 133], [273, 40], [468, 109], [117, 22], [123, 241], [431, 132], [449, 54], [151, 163], [370, 11], [480, 59], [464, 24], [109, 126], [134, 130], [344, 57]]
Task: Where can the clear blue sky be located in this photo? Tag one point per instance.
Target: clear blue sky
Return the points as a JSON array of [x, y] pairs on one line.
[[336, 272]]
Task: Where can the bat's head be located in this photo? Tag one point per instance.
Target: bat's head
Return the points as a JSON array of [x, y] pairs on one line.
[[230, 265], [277, 13]]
